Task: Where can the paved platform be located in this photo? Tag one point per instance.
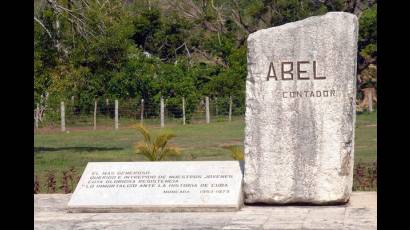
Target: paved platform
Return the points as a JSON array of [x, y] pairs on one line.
[[360, 213]]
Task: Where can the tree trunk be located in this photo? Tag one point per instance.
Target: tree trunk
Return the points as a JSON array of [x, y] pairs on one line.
[[369, 96], [370, 101]]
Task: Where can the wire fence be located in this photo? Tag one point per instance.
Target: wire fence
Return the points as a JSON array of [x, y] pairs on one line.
[[105, 113]]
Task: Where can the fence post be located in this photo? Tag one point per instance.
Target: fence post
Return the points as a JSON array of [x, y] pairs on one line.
[[107, 111], [62, 117], [216, 106], [207, 109], [370, 100], [162, 112], [230, 108], [183, 110], [142, 111], [95, 114], [72, 105], [37, 115], [116, 114]]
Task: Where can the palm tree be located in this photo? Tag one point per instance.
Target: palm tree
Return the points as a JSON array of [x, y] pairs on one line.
[[155, 148]]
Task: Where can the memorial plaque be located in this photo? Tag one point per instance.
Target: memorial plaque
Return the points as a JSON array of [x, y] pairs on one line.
[[159, 186], [300, 111]]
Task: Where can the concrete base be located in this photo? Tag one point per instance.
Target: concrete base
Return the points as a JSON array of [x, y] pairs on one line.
[[50, 212]]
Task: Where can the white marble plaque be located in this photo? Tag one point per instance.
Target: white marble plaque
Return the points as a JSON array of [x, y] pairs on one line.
[[159, 186]]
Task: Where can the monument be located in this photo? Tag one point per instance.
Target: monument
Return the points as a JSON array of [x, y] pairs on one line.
[[159, 186], [300, 111], [299, 134]]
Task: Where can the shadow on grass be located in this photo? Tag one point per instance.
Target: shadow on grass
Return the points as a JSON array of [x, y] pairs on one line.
[[75, 149]]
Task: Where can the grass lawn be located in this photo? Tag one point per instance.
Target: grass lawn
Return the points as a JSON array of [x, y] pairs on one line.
[[56, 151], [366, 137]]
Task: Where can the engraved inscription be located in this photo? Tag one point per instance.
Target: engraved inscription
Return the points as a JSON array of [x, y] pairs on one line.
[[309, 93], [287, 71], [168, 183]]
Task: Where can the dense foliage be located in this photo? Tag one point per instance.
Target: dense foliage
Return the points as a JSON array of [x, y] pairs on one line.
[[150, 48]]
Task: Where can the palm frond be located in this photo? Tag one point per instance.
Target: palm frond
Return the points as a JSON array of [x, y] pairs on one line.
[[162, 139], [144, 132], [144, 150], [169, 151]]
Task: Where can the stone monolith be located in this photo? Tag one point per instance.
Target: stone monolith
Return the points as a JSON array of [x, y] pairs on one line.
[[300, 111]]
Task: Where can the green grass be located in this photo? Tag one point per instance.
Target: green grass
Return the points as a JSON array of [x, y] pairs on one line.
[[58, 151], [366, 137]]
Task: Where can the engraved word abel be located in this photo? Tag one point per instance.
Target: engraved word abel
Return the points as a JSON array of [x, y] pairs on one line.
[[300, 70]]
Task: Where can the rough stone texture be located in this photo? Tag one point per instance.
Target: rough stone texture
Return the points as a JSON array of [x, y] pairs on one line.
[[50, 212], [159, 186], [300, 149]]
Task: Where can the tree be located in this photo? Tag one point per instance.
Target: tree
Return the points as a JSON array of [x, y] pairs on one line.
[[368, 38], [188, 48], [367, 56]]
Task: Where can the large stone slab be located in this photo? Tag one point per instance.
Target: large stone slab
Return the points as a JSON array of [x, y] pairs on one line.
[[360, 213], [300, 111], [159, 186]]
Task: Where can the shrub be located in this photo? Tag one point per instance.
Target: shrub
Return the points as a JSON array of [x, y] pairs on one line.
[[155, 148], [365, 176], [68, 180], [51, 182], [64, 183], [36, 185]]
